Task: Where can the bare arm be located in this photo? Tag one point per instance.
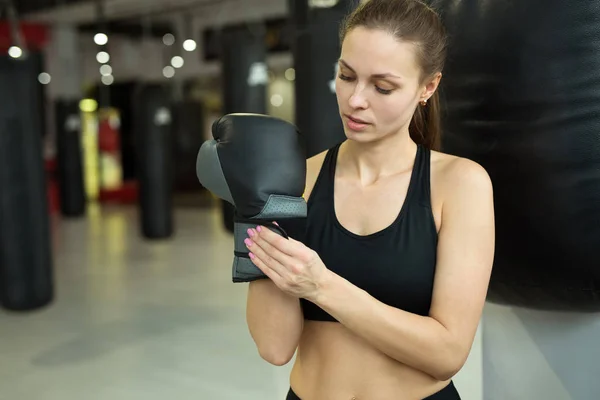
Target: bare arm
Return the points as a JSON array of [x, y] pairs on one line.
[[275, 321], [437, 344]]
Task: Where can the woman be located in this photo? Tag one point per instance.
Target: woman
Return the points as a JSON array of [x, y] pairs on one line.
[[382, 298]]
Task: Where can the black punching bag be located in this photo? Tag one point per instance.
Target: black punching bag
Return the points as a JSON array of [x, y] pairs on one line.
[[522, 98], [316, 52], [243, 60], [188, 124], [26, 278], [68, 155], [154, 155]]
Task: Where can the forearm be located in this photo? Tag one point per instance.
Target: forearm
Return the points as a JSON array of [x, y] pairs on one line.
[[420, 342], [274, 320]]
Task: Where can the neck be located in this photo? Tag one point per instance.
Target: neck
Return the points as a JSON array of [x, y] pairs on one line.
[[369, 162]]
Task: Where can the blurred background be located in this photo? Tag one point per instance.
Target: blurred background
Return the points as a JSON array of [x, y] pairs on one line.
[[99, 52]]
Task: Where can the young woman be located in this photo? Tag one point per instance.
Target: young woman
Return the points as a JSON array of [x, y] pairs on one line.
[[382, 297]]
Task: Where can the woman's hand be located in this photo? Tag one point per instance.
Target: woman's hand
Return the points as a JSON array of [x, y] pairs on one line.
[[293, 267]]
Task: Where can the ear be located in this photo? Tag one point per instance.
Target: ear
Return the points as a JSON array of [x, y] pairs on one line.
[[431, 86]]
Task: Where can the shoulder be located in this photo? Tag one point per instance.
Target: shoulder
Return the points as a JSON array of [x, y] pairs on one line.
[[459, 178], [313, 168]]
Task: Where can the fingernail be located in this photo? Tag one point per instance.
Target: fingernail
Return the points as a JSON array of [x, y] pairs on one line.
[[248, 242], [258, 228], [250, 232], [251, 255]]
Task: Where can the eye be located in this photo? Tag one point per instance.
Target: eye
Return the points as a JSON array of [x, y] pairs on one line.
[[350, 79], [383, 91]]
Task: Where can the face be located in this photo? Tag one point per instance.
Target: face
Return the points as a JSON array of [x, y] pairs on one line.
[[378, 86]]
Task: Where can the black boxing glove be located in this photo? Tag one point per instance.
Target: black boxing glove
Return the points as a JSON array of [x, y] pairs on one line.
[[258, 164]]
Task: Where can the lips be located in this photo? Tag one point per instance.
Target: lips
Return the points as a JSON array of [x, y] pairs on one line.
[[357, 120]]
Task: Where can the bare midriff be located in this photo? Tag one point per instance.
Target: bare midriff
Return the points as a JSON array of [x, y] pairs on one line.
[[332, 363]]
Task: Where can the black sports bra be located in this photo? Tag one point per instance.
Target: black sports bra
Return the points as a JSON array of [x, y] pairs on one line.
[[395, 265]]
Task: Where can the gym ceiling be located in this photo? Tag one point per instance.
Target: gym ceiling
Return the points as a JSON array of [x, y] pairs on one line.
[[130, 17]]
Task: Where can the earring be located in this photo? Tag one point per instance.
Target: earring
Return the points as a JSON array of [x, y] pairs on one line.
[[423, 103]]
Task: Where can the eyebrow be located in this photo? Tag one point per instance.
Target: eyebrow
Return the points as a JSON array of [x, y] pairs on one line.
[[379, 76]]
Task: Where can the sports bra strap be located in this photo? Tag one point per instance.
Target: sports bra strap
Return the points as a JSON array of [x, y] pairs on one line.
[[423, 176]]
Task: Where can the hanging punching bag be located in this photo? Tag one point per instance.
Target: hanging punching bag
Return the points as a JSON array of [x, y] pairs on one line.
[[69, 157], [316, 50], [26, 279], [522, 98], [153, 147], [188, 123]]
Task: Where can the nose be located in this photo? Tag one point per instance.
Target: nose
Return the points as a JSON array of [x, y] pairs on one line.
[[358, 99]]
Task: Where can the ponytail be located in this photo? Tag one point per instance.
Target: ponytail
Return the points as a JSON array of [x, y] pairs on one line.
[[425, 126]]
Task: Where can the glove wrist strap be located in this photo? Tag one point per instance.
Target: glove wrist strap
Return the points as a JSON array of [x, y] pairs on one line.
[[253, 223], [277, 207], [244, 269]]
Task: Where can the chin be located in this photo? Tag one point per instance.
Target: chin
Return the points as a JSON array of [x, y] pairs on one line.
[[361, 137], [353, 136]]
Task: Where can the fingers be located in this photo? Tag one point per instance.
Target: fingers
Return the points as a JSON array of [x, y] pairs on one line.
[[270, 273], [266, 253], [289, 247]]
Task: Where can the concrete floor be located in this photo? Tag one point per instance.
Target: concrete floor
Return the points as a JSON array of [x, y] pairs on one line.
[[135, 319]]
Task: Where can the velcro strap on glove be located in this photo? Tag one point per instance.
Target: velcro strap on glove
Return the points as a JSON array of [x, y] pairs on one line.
[[276, 208]]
